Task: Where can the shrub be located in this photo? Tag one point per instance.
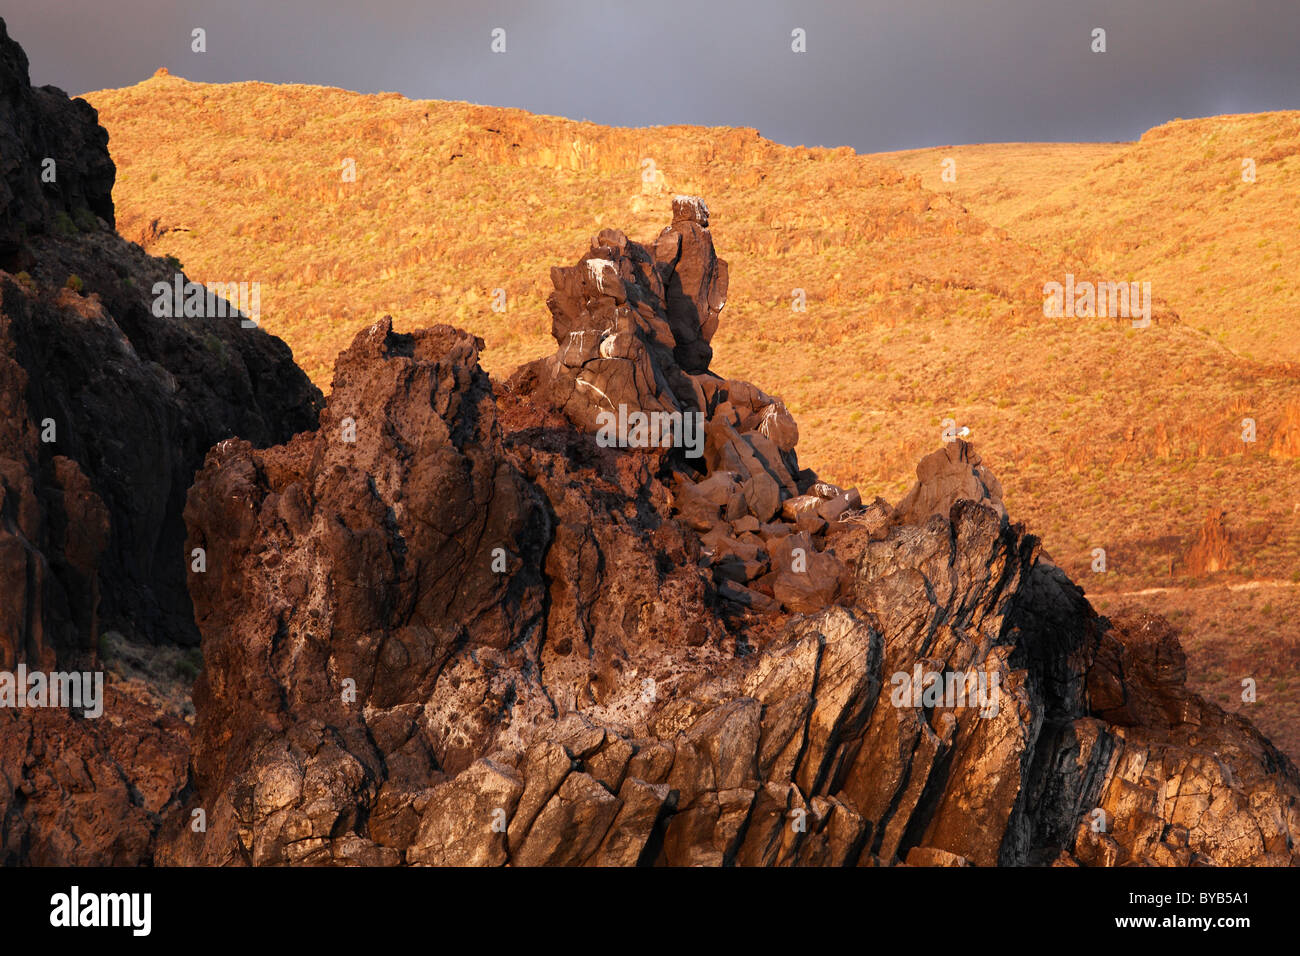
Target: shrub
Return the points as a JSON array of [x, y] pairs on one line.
[[189, 666], [74, 283], [63, 224]]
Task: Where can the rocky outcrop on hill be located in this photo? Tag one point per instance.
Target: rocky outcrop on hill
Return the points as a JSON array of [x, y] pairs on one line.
[[633, 323], [447, 624], [956, 474], [468, 632], [1286, 441], [107, 412], [1212, 550]]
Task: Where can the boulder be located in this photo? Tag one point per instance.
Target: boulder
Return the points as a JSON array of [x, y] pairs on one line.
[[951, 474]]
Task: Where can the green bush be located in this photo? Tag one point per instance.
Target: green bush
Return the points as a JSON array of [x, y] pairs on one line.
[[189, 666], [63, 224], [74, 283]]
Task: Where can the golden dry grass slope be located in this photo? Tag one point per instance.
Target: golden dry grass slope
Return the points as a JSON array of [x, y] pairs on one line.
[[924, 298], [1206, 210]]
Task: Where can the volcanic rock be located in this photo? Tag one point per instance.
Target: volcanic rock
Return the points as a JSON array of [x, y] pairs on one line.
[[107, 412], [607, 730], [384, 574], [694, 281], [442, 624], [632, 324], [44, 134]]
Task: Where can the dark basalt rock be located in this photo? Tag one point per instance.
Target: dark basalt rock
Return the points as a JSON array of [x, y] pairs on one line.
[[376, 581], [105, 414], [136, 401], [694, 280], [633, 323], [36, 124]]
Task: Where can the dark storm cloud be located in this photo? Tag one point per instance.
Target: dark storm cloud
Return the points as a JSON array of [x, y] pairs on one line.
[[876, 76]]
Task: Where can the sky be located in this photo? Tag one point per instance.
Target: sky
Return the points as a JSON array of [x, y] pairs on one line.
[[875, 76]]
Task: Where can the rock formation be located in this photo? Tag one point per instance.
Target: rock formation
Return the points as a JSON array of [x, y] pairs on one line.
[[671, 662], [633, 323], [449, 623], [396, 548], [1286, 441], [1212, 550], [54, 163]]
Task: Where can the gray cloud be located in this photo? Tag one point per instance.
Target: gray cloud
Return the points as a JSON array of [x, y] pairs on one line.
[[877, 76]]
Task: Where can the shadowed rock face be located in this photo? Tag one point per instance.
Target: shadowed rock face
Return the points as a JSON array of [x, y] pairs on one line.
[[446, 626], [131, 401], [134, 402], [105, 414], [39, 124]]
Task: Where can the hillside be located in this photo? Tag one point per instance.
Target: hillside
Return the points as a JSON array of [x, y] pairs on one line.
[[1001, 181], [1173, 209], [918, 309]]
